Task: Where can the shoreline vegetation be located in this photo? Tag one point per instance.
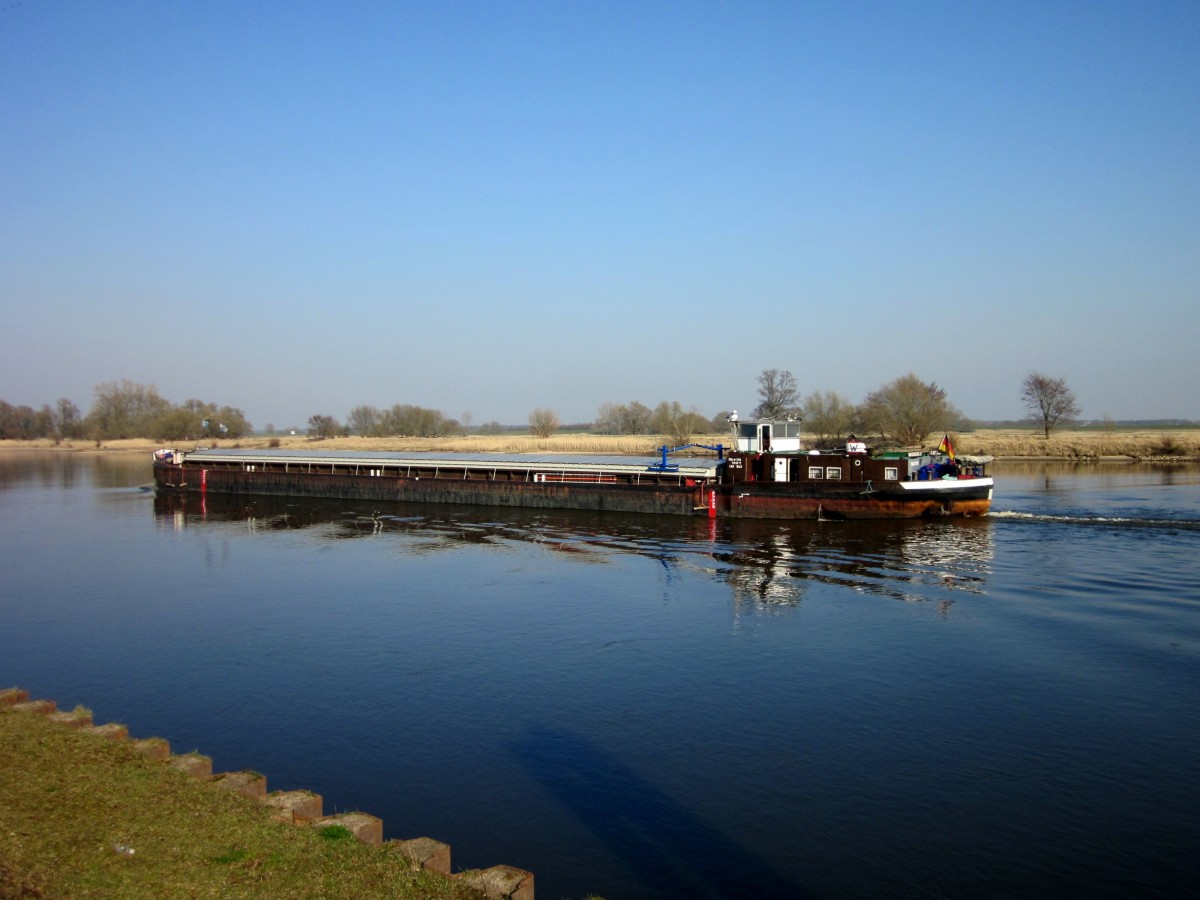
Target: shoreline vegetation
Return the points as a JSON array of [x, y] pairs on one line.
[[91, 815], [1074, 445]]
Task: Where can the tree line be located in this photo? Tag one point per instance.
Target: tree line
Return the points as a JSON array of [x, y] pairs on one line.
[[123, 409], [668, 419], [399, 420], [905, 411]]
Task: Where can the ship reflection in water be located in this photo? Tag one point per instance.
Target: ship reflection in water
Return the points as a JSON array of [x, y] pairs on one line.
[[769, 566], [900, 560]]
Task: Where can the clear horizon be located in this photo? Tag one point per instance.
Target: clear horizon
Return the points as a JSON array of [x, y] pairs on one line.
[[296, 209]]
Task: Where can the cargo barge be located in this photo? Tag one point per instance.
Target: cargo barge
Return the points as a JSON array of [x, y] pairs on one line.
[[764, 475]]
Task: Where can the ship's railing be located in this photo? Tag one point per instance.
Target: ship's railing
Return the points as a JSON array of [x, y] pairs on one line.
[[651, 475], [575, 477]]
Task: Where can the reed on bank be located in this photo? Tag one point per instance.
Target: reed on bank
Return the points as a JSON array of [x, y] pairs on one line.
[[1010, 443]]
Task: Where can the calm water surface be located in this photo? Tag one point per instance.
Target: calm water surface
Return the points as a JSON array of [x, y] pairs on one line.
[[657, 707]]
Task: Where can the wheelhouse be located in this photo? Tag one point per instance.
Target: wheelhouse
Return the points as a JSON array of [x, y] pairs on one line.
[[772, 451]]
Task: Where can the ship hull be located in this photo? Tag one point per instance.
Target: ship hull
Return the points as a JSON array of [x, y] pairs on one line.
[[651, 499], [762, 500], [784, 501]]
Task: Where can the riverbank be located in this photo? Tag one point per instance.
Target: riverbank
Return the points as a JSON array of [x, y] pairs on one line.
[[85, 812], [1066, 444]]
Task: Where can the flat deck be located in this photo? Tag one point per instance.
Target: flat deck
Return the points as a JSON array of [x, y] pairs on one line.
[[688, 467]]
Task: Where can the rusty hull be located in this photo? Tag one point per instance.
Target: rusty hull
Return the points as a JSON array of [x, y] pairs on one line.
[[754, 500]]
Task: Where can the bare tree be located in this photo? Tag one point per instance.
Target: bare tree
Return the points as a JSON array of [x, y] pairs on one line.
[[617, 418], [829, 417], [1048, 399], [543, 422], [24, 423], [676, 424], [908, 410], [365, 421], [322, 427], [176, 424], [66, 418], [608, 418], [124, 409], [208, 420], [406, 419], [779, 394]]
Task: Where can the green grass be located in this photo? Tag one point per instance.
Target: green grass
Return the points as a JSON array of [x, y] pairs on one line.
[[84, 816]]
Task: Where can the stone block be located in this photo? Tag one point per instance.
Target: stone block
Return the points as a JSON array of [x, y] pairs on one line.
[[424, 853], [195, 764], [363, 826], [247, 783], [500, 882], [41, 707], [295, 806], [111, 730], [75, 718], [155, 748], [12, 696]]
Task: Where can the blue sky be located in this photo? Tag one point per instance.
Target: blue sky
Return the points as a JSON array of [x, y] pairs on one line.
[[302, 207]]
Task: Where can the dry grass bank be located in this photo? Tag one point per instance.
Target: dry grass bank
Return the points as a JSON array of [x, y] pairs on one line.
[[1080, 444], [1000, 443], [505, 443]]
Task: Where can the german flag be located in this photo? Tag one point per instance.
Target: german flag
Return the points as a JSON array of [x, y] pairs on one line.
[[946, 447]]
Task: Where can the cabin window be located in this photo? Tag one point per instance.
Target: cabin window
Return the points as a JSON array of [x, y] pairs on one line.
[[891, 473], [815, 472], [833, 473], [748, 430], [788, 429]]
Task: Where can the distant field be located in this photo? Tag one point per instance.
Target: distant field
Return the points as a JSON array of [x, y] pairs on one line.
[[1081, 444], [1001, 443]]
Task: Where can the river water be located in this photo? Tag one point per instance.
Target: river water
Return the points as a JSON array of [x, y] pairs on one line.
[[651, 706]]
